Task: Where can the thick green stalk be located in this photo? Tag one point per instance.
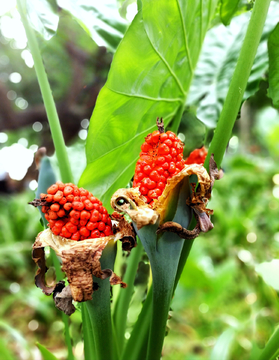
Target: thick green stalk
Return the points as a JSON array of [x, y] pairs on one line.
[[138, 341], [88, 337], [271, 348], [65, 318], [238, 83], [100, 313], [56, 132], [123, 301]]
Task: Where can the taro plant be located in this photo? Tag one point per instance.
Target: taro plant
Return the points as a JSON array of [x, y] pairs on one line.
[[150, 77]]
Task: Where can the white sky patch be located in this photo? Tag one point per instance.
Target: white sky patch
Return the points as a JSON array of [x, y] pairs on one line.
[[15, 160]]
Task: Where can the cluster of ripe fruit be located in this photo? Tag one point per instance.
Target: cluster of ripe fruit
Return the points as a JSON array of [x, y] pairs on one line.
[[160, 159], [74, 213]]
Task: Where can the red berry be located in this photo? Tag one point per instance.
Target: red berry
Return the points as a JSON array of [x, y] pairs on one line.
[[95, 234], [52, 215], [58, 196], [101, 226], [68, 190], [61, 213], [75, 214], [75, 236], [85, 215], [52, 190], [84, 232], [54, 207], [71, 227], [74, 221]]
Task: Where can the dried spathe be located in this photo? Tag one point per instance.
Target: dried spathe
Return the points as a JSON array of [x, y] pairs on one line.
[[80, 261]]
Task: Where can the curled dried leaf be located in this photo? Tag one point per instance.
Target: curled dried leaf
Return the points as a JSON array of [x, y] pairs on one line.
[[125, 231], [63, 299], [131, 202]]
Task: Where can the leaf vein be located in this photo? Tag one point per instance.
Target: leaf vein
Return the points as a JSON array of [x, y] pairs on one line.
[[185, 37], [144, 97]]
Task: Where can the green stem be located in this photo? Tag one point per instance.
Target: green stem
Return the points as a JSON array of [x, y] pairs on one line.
[[65, 318], [55, 128], [138, 341], [88, 337], [238, 83], [123, 301], [271, 347], [100, 313]]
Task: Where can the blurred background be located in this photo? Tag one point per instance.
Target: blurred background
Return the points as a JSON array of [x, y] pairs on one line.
[[227, 296]]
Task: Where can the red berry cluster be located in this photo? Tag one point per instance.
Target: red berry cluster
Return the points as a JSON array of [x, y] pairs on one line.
[[160, 159], [75, 213], [197, 156]]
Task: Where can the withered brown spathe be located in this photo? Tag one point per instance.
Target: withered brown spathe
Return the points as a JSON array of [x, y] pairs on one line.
[[80, 261]]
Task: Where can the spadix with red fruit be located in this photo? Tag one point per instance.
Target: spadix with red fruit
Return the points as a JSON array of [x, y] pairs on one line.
[[74, 213], [160, 159]]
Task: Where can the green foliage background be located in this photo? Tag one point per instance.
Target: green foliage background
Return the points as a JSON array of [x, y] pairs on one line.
[[222, 308]]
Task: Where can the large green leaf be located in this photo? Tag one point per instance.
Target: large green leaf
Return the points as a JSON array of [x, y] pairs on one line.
[[273, 53], [217, 63], [43, 16], [150, 76], [100, 19]]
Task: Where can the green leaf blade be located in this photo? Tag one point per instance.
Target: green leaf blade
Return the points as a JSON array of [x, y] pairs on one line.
[[273, 53]]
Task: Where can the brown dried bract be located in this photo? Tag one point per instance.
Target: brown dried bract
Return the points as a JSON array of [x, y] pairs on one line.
[[80, 261], [131, 201], [63, 299], [128, 237]]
